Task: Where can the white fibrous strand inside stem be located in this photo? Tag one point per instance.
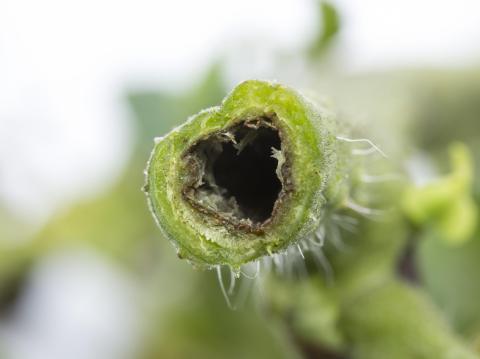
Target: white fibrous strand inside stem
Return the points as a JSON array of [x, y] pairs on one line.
[[237, 172]]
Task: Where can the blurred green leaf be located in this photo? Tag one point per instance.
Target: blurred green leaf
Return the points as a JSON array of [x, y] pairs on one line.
[[451, 276], [446, 203], [330, 26]]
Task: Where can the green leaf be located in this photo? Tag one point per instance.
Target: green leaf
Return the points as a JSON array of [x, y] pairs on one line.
[[446, 204], [330, 21]]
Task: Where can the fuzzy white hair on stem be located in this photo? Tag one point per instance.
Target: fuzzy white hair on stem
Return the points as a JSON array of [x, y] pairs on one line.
[[373, 147]]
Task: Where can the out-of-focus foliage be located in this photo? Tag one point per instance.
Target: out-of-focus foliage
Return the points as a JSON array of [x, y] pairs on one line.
[[446, 204], [330, 26], [451, 276]]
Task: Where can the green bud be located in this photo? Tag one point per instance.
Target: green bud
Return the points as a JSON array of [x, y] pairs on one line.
[[447, 202]]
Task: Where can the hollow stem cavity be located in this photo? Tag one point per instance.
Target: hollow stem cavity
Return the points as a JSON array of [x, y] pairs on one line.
[[237, 175]]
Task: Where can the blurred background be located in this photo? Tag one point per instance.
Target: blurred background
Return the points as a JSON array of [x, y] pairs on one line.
[[84, 89]]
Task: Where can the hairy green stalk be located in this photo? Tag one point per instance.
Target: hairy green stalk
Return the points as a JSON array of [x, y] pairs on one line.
[[248, 178], [269, 171]]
